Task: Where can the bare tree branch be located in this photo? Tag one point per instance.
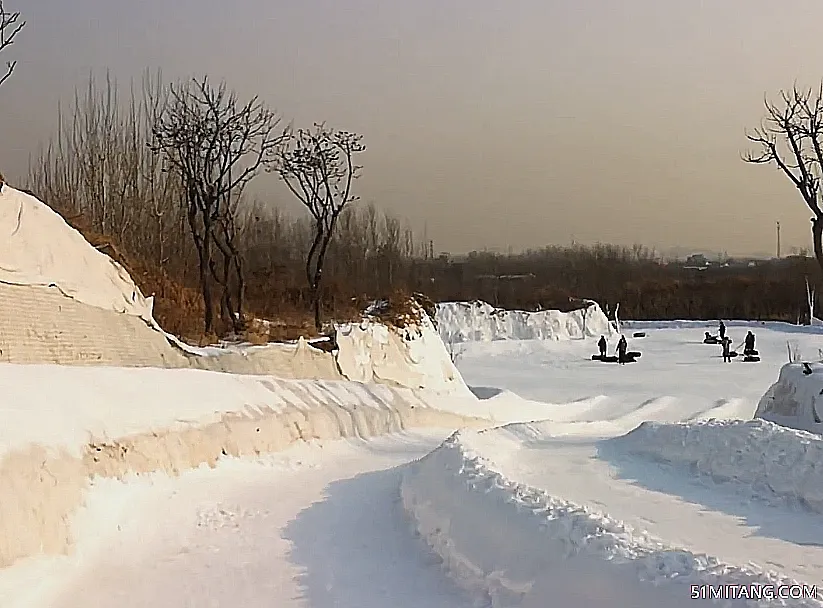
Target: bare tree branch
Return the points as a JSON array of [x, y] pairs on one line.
[[318, 168], [215, 146], [10, 26], [791, 138]]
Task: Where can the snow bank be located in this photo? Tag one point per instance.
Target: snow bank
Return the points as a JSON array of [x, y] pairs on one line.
[[63, 425], [37, 247], [411, 357], [481, 322], [774, 462], [796, 399], [518, 546]]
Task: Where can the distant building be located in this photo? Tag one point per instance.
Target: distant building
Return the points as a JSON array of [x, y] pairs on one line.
[[697, 260]]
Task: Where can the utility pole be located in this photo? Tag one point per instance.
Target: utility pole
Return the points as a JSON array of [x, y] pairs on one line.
[[778, 240]]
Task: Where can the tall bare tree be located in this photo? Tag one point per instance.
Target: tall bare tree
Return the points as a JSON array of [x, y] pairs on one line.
[[10, 26], [318, 167], [791, 138], [216, 146]]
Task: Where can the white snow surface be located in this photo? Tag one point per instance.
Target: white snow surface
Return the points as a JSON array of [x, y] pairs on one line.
[[68, 407], [521, 545], [577, 503], [412, 357], [796, 399], [481, 322], [37, 247]]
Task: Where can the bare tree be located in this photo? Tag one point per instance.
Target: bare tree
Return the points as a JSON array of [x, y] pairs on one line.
[[318, 167], [215, 146], [10, 26], [791, 138]]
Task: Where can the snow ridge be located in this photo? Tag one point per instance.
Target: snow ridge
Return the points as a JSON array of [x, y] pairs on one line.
[[775, 462], [518, 546], [481, 322]]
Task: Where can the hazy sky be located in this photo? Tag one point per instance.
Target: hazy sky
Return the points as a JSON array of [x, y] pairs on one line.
[[497, 124]]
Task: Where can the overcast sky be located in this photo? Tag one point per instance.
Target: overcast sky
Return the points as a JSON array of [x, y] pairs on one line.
[[496, 124]]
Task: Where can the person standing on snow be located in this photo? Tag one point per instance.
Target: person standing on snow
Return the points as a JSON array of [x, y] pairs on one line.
[[722, 331], [622, 345], [601, 344], [748, 344], [727, 354]]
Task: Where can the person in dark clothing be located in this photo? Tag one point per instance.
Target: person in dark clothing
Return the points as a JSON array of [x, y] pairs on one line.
[[601, 344], [622, 346], [722, 330], [727, 353], [748, 344]]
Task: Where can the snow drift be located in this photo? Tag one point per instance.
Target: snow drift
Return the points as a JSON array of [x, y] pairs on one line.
[[796, 399], [769, 461], [481, 322], [518, 546], [38, 248], [412, 357], [63, 425]]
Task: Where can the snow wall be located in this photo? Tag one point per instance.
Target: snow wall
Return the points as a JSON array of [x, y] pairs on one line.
[[481, 322], [796, 399], [63, 425], [516, 545]]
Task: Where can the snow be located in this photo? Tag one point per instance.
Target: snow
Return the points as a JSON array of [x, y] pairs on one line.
[[605, 485], [412, 357], [793, 400], [775, 462], [479, 321], [318, 525], [37, 247], [523, 546]]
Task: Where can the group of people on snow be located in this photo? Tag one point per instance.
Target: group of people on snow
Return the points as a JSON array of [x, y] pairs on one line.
[[622, 347], [726, 343], [724, 340]]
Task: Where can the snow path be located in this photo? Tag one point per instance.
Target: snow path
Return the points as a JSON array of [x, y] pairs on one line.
[[669, 504], [317, 526]]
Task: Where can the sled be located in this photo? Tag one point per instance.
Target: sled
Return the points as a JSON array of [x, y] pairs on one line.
[[751, 359], [711, 341], [634, 354], [639, 334], [613, 359]]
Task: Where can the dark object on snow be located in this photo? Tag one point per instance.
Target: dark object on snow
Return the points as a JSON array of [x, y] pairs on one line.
[[752, 353], [639, 334], [748, 344], [613, 359], [807, 369], [622, 346], [727, 349], [601, 344], [710, 339], [634, 354], [751, 359]]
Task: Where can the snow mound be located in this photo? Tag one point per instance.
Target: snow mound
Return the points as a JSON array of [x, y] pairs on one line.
[[773, 462], [793, 400], [64, 425], [481, 322], [412, 356], [38, 248], [518, 546]]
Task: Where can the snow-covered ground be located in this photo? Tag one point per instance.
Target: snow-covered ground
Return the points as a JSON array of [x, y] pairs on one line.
[[579, 508]]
